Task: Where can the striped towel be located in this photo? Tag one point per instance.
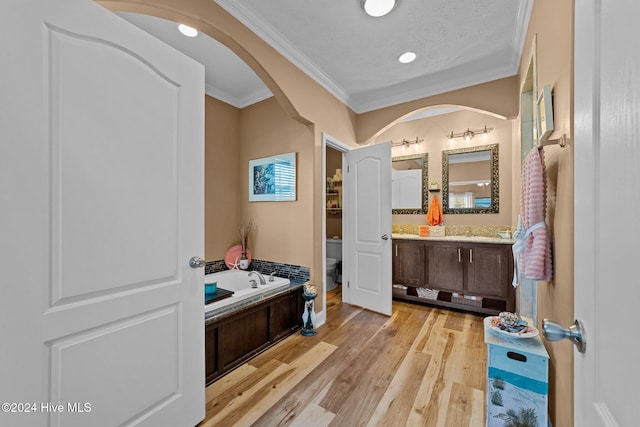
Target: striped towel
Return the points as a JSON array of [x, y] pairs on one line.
[[532, 250]]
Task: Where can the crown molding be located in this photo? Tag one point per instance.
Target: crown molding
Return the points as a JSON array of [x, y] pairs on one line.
[[284, 47], [430, 85], [243, 102], [421, 87]]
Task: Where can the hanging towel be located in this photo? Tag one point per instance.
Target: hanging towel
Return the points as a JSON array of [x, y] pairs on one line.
[[434, 214], [532, 249]]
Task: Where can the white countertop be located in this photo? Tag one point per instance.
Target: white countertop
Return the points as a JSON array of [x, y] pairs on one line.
[[469, 239]]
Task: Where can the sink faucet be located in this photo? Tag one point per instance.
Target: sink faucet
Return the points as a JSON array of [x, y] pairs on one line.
[[260, 277]]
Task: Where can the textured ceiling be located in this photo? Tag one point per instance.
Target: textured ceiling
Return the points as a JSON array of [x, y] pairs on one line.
[[459, 43]]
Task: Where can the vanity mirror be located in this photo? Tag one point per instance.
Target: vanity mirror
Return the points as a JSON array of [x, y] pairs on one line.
[[470, 180], [409, 184]]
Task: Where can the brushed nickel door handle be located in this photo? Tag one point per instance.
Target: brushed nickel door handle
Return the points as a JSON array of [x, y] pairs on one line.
[[196, 262], [554, 331]]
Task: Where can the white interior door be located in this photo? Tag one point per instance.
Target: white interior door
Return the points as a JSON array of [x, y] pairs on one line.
[[369, 228], [607, 202], [101, 175]]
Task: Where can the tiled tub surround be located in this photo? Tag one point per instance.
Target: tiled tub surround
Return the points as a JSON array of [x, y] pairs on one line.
[[295, 273], [456, 230]]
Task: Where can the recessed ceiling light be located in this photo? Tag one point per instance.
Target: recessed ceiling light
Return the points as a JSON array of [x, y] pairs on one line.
[[378, 8], [187, 30], [407, 57]]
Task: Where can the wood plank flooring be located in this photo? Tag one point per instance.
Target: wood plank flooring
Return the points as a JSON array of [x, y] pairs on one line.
[[422, 366]]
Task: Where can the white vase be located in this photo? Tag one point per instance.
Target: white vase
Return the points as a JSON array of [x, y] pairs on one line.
[[244, 262]]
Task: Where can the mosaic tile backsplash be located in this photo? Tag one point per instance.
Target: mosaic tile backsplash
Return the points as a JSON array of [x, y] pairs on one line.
[[295, 273], [457, 230]]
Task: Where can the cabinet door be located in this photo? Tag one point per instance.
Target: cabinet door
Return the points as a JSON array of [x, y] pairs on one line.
[[446, 267], [211, 352], [286, 314], [243, 336], [409, 263], [489, 269]]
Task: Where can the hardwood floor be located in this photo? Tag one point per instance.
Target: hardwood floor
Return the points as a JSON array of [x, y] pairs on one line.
[[422, 366]]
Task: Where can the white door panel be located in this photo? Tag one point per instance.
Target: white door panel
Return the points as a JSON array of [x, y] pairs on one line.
[[607, 201], [369, 219], [102, 186]]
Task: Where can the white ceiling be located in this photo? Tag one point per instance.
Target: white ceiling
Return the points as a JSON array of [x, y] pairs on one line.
[[459, 43]]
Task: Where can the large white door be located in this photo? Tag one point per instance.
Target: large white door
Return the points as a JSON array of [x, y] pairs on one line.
[[369, 228], [101, 182], [607, 206]]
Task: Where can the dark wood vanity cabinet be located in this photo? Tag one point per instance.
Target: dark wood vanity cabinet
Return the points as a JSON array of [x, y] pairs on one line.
[[409, 267], [489, 269], [474, 269], [238, 337], [445, 262]]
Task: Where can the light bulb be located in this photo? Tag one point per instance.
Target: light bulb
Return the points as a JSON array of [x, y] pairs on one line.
[[187, 30], [407, 57], [378, 8]]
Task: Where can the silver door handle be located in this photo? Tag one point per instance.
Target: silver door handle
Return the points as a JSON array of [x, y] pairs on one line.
[[196, 262], [553, 331], [470, 256], [385, 237]]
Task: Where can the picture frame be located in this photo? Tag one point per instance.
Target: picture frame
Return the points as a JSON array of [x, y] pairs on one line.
[[544, 110], [273, 179]]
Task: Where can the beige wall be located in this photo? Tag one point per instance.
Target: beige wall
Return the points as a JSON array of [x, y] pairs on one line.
[[283, 231], [498, 98], [221, 166], [552, 25], [434, 131]]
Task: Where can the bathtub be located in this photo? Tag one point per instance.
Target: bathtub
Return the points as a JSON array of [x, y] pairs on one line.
[[238, 281]]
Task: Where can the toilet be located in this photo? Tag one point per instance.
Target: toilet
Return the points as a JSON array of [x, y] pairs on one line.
[[334, 263]]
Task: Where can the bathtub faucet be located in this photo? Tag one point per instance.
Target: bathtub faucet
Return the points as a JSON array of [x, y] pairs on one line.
[[260, 277]]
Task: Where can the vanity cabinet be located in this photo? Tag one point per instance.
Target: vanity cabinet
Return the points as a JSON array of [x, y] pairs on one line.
[[409, 268], [235, 338], [446, 270], [480, 271]]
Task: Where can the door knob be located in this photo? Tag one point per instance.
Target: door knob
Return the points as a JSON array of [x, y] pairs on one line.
[[196, 262], [553, 331], [385, 237]]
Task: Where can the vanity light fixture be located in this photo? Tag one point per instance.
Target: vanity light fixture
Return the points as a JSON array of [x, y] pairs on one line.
[[468, 134], [377, 8], [405, 143], [187, 30]]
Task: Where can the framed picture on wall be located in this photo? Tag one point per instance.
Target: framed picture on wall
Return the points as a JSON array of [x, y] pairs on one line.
[[544, 107], [273, 179]]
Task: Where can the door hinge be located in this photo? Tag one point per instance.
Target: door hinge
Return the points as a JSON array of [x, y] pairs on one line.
[[348, 283], [347, 168]]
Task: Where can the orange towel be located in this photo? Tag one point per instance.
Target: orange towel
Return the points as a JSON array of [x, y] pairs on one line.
[[434, 214]]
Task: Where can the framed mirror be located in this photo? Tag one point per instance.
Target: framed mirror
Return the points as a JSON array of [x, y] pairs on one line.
[[409, 176], [470, 180]]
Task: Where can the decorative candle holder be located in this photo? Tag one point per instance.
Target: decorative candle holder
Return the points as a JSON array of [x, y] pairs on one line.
[[309, 315]]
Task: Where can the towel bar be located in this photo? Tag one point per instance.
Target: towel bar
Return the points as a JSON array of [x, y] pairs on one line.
[[562, 141]]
